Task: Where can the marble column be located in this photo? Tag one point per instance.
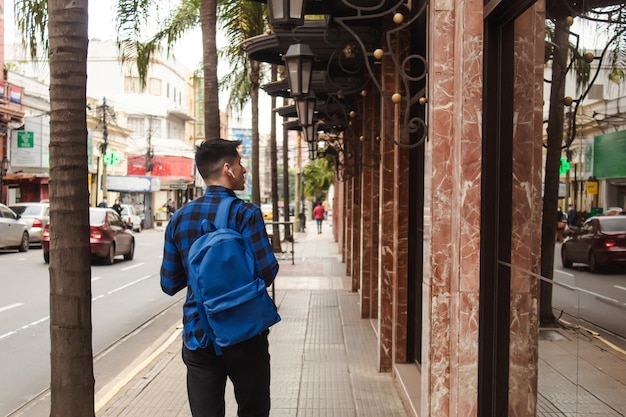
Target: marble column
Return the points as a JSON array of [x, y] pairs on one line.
[[449, 368], [527, 209]]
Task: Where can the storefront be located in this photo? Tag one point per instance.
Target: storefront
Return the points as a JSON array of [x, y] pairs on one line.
[[138, 191]]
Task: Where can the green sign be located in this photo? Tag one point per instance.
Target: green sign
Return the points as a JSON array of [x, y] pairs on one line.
[[111, 158], [609, 155], [25, 139]]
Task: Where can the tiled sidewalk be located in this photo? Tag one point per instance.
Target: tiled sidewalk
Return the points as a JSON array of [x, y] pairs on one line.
[[323, 354]]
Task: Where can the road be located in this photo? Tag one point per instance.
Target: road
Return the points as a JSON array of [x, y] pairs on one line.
[[127, 301], [131, 317], [599, 299]]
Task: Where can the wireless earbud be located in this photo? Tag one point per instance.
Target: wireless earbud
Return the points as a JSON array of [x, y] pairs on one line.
[[230, 171]]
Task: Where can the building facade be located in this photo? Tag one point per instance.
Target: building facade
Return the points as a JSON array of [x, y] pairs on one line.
[[434, 112]]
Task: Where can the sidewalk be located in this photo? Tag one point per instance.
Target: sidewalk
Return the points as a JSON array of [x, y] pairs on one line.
[[323, 354], [324, 357]]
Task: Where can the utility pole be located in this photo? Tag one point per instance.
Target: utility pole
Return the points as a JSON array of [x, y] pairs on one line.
[[149, 151], [103, 111]]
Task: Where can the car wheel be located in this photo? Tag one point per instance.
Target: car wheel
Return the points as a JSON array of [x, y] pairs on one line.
[[25, 242], [593, 263], [131, 252], [46, 257], [110, 258], [564, 259]]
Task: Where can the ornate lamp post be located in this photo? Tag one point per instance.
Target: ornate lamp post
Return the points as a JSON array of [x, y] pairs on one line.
[[305, 106], [299, 63], [286, 12], [4, 168]]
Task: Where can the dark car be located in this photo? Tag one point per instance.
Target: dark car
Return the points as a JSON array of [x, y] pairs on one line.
[[601, 241], [35, 215], [108, 235]]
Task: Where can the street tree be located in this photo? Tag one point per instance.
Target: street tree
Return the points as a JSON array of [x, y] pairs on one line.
[[135, 18], [60, 29], [318, 177], [566, 56], [241, 20]]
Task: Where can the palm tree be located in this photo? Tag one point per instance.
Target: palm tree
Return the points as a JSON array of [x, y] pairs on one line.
[[565, 56], [71, 357], [132, 19], [242, 20], [318, 177]]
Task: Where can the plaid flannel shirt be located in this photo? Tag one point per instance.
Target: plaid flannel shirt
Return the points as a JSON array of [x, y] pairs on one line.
[[185, 227]]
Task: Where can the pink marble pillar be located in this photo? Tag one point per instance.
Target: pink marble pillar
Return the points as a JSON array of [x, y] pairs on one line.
[[526, 216], [387, 262], [356, 214], [370, 141], [450, 365]]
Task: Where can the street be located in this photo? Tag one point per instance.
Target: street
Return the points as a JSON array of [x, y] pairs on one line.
[[131, 315], [599, 299], [126, 300]]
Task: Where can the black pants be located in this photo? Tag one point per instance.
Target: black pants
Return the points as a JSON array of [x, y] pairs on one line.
[[247, 364]]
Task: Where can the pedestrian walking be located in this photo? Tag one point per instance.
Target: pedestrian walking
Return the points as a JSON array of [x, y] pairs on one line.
[[318, 215], [246, 364]]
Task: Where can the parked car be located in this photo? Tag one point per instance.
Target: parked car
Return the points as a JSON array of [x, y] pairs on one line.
[[13, 230], [108, 235], [130, 217], [601, 241], [35, 215]]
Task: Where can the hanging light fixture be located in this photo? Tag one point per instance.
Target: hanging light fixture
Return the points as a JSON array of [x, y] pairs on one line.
[[305, 106], [310, 134], [288, 13], [299, 62]]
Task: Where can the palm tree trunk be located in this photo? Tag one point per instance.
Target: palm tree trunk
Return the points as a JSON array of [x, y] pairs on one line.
[[553, 155], [274, 171], [255, 70], [71, 357], [208, 19]]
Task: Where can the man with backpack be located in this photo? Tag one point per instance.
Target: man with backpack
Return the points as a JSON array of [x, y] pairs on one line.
[[209, 358]]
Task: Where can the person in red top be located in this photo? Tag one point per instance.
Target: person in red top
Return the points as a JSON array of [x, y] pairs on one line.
[[318, 215]]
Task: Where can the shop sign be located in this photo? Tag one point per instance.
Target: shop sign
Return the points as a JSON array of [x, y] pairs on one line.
[[592, 187]]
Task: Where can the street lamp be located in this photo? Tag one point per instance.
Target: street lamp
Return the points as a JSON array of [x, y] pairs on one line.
[[286, 12], [310, 134], [4, 168], [299, 63], [305, 106]]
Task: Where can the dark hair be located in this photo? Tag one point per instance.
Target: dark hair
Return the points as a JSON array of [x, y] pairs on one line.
[[213, 153]]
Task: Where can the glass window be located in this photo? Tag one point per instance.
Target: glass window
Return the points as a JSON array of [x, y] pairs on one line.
[[136, 124], [154, 86], [132, 85]]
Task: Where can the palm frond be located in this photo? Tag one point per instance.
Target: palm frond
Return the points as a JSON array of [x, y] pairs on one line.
[[31, 20]]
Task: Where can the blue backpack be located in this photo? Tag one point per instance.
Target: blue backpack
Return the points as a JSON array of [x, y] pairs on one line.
[[233, 304]]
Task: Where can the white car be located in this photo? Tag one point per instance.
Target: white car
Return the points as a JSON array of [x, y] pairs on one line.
[[130, 217], [13, 231], [35, 215]]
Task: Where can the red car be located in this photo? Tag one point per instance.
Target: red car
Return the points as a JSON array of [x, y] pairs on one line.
[[601, 241], [108, 234]]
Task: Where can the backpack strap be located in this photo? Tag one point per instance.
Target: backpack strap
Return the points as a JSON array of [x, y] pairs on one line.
[[223, 209]]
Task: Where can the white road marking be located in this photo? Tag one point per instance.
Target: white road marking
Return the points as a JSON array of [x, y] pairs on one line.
[[10, 307], [34, 323], [619, 287], [131, 267]]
